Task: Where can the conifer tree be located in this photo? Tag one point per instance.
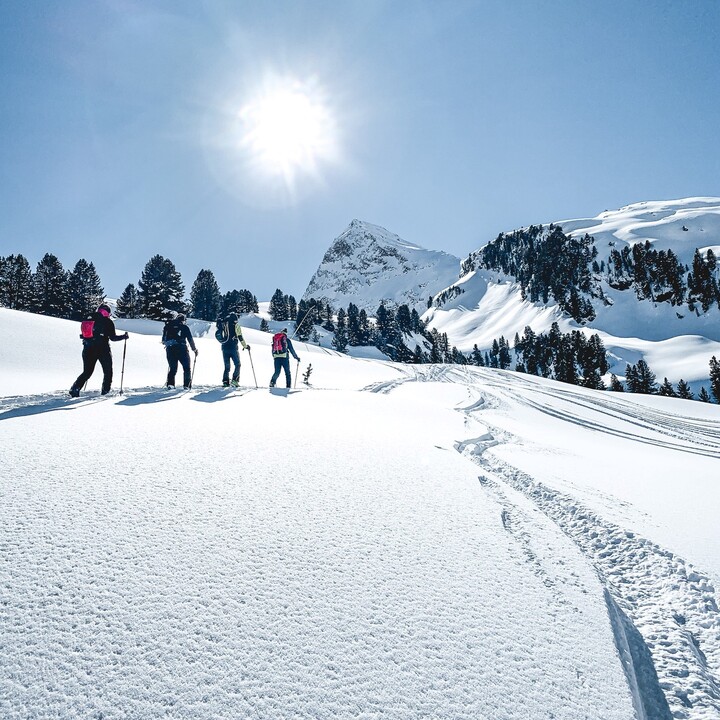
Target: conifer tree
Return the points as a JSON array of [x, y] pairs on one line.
[[476, 356], [16, 283], [615, 384], [161, 289], [715, 378], [292, 307], [278, 306], [205, 296], [264, 327], [85, 292], [666, 389], [641, 379], [703, 395], [50, 288], [684, 391], [128, 304], [340, 339]]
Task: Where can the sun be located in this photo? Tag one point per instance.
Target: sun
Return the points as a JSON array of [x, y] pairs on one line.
[[288, 130]]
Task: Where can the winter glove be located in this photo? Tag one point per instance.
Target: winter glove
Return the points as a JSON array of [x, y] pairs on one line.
[[247, 347], [126, 336], [196, 352]]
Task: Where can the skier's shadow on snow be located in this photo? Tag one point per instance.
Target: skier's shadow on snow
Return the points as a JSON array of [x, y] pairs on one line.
[[218, 394], [38, 408], [147, 398]]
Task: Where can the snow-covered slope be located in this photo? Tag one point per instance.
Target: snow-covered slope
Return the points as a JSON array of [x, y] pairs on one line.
[[367, 264], [398, 541], [484, 304]]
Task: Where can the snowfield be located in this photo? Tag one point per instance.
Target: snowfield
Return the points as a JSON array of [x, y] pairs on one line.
[[393, 541]]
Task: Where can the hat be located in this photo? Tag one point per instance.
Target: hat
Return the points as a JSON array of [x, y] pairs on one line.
[[180, 316], [284, 330], [105, 307]]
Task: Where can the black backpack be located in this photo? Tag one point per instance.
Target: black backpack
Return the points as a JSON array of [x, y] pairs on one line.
[[172, 331], [225, 330]]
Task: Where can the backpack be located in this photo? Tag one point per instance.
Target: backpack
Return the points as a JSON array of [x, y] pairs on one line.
[[222, 331], [87, 327], [172, 332], [279, 344], [91, 328]]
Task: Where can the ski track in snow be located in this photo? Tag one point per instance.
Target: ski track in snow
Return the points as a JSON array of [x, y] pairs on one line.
[[664, 612]]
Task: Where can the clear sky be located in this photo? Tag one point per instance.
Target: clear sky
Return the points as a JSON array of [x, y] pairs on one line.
[[244, 136]]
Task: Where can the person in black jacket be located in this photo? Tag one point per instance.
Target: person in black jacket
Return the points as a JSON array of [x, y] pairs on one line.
[[97, 347], [176, 335]]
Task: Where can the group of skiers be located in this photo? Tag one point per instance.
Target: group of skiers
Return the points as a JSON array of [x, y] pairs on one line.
[[98, 330]]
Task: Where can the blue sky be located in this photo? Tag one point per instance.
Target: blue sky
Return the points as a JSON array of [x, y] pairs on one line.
[[120, 134]]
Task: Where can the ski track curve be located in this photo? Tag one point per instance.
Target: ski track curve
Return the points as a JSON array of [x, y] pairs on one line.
[[663, 611]]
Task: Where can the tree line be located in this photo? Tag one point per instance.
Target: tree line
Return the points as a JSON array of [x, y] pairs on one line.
[[160, 291]]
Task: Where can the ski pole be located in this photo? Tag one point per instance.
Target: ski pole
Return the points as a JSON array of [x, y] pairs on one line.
[[122, 372], [253, 368], [192, 374], [297, 372]]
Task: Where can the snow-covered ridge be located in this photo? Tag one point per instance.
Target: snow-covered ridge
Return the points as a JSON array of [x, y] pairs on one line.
[[491, 304], [367, 264], [681, 225]]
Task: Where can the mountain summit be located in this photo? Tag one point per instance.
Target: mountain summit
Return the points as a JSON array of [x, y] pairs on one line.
[[367, 264]]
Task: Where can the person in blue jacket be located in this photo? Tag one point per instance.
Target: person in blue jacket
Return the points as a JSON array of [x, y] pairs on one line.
[[281, 345], [176, 336]]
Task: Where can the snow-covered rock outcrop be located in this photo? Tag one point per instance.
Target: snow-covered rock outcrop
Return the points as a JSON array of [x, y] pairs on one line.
[[367, 264]]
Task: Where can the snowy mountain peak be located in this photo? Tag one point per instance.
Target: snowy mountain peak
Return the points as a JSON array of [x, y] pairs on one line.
[[367, 264]]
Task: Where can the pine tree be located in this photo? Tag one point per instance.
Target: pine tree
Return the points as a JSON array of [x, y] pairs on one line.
[[683, 391], [615, 384], [161, 289], [340, 339], [292, 307], [128, 304], [703, 395], [641, 379], [279, 308], [205, 296], [715, 378], [666, 389], [85, 292], [264, 327], [50, 288], [476, 356], [16, 283], [504, 357]]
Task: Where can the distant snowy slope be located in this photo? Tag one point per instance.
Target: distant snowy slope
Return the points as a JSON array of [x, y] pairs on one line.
[[367, 264], [485, 304], [681, 225]]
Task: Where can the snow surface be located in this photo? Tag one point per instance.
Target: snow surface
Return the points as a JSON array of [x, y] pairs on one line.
[[367, 264], [396, 541]]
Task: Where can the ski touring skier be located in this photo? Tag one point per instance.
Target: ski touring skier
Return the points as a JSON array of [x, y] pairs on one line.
[[281, 346], [176, 336], [228, 333], [96, 333]]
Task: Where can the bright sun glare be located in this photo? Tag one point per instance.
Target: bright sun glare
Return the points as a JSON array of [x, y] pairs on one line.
[[288, 130]]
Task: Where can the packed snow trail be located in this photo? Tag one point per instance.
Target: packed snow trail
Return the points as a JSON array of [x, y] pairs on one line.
[[321, 555], [654, 596]]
